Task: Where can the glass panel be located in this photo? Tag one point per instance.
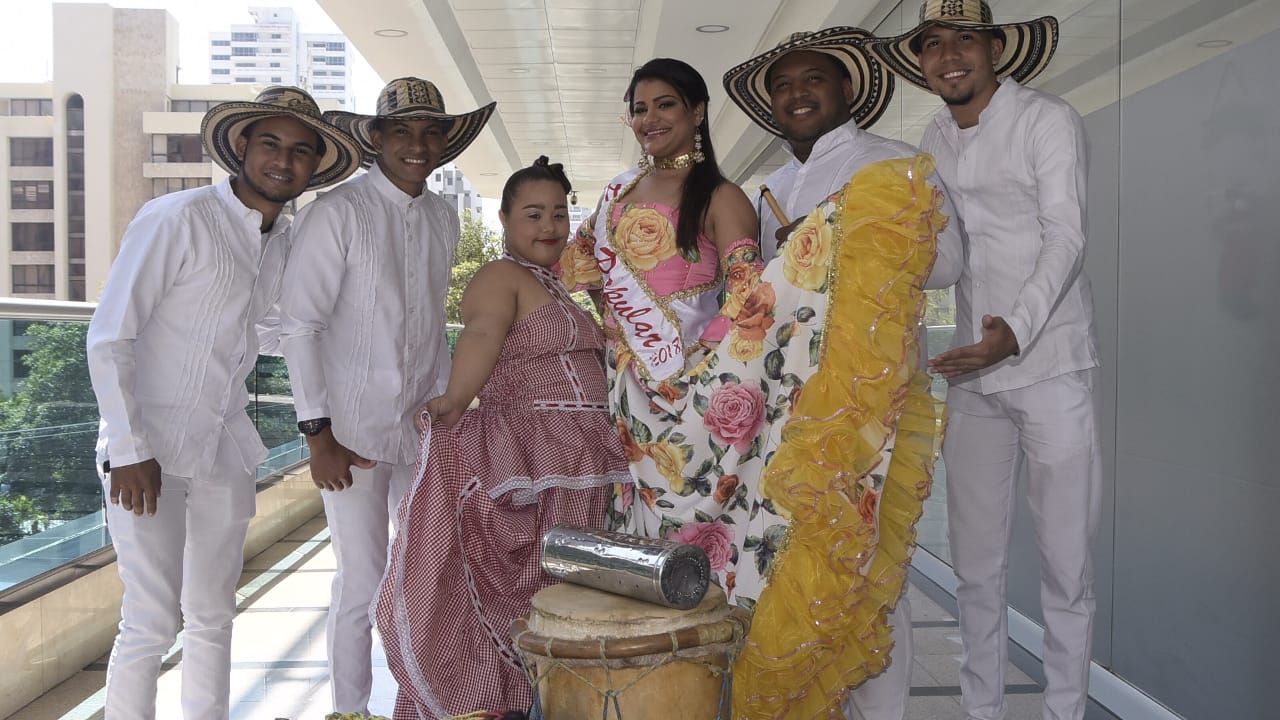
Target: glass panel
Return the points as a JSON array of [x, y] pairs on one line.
[[50, 496], [1197, 494], [50, 492]]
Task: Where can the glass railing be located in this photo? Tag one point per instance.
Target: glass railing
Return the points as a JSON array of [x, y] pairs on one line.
[[51, 505]]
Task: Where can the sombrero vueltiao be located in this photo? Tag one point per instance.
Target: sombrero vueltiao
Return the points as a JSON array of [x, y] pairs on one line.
[[872, 83], [225, 122], [1028, 46], [411, 98]]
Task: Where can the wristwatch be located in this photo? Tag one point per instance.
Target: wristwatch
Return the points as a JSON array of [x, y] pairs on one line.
[[312, 428]]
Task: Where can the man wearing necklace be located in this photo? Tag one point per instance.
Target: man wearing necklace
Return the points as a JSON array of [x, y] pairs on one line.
[[362, 313], [1023, 363], [803, 91]]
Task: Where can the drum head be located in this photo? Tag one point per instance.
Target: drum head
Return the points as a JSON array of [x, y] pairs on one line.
[[575, 612]]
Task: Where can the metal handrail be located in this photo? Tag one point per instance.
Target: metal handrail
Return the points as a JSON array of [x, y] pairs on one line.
[[30, 309]]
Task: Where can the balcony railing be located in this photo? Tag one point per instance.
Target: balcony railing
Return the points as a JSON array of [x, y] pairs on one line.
[[51, 504]]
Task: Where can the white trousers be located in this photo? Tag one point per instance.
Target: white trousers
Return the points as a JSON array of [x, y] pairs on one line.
[[1052, 427], [179, 568], [358, 518], [884, 697]]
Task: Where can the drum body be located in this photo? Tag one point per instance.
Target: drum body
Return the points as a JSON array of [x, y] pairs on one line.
[[592, 654]]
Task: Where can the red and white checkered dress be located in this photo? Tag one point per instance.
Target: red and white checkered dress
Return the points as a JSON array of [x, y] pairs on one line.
[[540, 450]]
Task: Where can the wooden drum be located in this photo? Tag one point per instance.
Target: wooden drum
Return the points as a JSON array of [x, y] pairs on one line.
[[593, 654]]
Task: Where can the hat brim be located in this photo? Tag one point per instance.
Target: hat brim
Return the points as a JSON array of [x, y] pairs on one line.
[[463, 129], [872, 82], [227, 121], [1028, 47]]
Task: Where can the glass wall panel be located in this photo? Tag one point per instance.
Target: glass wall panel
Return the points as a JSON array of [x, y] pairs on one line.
[[1197, 494]]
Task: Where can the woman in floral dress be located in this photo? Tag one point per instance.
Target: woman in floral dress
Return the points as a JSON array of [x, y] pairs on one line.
[[539, 450], [794, 436]]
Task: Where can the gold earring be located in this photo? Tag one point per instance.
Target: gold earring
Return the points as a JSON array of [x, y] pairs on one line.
[[698, 155]]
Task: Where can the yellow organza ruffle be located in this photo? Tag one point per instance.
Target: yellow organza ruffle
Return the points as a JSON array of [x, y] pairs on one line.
[[820, 625]]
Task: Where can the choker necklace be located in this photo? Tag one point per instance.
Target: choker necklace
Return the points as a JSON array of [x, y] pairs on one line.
[[678, 162]]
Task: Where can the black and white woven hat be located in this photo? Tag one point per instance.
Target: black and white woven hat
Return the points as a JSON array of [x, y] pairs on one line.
[[411, 98], [872, 83], [1028, 46], [225, 122]]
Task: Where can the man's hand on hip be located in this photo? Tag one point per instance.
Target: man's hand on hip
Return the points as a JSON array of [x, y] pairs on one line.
[[331, 462]]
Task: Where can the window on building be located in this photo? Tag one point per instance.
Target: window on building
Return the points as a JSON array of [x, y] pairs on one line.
[[20, 369], [192, 105], [31, 194], [242, 79], [164, 186], [244, 37], [30, 107], [220, 57], [335, 61], [275, 36], [276, 51], [32, 237], [220, 43], [275, 64], [221, 71], [245, 64], [339, 73], [335, 46], [275, 79], [177, 149], [33, 279], [244, 51], [30, 152]]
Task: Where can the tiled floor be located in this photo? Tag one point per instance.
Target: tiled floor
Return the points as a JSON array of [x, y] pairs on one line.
[[278, 654]]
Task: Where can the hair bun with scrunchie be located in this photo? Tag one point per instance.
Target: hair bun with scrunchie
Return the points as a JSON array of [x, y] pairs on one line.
[[556, 170]]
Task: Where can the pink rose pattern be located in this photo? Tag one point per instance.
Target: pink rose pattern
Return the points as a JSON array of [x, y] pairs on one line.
[[735, 414], [727, 421], [715, 538]]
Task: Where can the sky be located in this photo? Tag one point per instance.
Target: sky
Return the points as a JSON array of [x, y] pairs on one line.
[[26, 45], [26, 38]]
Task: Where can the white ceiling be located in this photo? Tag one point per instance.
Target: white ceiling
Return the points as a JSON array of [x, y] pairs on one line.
[[558, 68]]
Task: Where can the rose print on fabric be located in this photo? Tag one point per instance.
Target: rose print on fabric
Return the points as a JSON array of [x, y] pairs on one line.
[[645, 237], [735, 414], [715, 538]]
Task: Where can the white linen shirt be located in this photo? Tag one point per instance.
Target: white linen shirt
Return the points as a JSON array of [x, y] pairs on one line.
[[800, 186], [178, 328], [362, 312], [1019, 184]]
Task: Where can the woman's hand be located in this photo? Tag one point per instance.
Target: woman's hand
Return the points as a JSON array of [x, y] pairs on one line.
[[444, 409]]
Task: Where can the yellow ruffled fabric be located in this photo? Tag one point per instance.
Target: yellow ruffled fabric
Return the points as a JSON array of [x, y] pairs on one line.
[[820, 626]]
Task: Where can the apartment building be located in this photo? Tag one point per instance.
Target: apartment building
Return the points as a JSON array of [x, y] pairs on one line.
[[273, 51]]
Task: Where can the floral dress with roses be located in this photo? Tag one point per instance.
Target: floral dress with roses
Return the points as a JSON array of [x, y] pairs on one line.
[[798, 454]]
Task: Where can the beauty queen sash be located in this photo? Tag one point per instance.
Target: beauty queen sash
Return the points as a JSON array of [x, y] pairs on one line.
[[648, 327]]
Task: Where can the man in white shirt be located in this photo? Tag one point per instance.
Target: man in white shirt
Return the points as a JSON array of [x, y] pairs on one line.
[[803, 90], [363, 333], [176, 332], [1023, 362]]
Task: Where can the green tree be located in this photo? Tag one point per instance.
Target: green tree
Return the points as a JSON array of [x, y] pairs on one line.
[[477, 246], [19, 517], [48, 429]]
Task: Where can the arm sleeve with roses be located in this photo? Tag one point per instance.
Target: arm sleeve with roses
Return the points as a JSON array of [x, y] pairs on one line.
[[742, 267]]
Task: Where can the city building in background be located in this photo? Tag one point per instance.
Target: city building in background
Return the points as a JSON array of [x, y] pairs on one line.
[[274, 51], [81, 153], [449, 183]]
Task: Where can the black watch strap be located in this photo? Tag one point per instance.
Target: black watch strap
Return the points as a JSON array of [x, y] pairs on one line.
[[312, 427]]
